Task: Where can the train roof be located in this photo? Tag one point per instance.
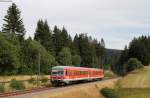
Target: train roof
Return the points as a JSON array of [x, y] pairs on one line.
[[62, 67]]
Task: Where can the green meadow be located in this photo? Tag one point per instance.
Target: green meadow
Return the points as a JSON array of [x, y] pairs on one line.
[[136, 84]]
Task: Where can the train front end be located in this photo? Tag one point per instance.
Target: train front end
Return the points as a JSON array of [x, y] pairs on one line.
[[57, 75]]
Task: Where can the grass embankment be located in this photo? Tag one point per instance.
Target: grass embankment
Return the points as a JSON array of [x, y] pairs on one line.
[[136, 84], [24, 79], [134, 93], [19, 77], [89, 90]]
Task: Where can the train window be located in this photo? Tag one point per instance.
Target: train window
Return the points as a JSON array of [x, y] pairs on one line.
[[60, 72], [57, 72], [53, 73]]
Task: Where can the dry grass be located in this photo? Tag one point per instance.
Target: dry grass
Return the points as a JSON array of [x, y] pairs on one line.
[[134, 93], [91, 90], [137, 79], [80, 91], [136, 84], [83, 92], [19, 77]]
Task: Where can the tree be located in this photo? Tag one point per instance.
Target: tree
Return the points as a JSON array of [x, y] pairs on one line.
[[39, 31], [102, 51], [64, 57], [32, 51], [76, 60], [61, 39], [120, 66], [14, 22], [76, 45], [65, 38], [124, 56], [44, 35], [85, 50], [56, 39], [9, 56], [139, 49], [90, 50], [135, 48]]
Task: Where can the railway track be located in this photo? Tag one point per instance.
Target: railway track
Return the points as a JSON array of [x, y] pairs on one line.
[[15, 93], [8, 94]]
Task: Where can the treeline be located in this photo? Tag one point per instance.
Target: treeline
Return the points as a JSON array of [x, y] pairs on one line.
[[111, 57], [134, 56], [48, 47]]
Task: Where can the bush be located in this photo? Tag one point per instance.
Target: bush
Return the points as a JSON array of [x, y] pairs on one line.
[[109, 93], [2, 88], [18, 85], [44, 79], [133, 64], [109, 74], [32, 81]]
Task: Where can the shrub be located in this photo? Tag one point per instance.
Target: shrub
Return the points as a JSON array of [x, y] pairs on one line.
[[2, 88], [32, 80], [18, 85], [109, 93], [133, 64], [44, 79], [109, 74]]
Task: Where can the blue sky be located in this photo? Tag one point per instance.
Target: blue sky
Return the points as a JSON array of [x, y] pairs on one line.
[[117, 21]]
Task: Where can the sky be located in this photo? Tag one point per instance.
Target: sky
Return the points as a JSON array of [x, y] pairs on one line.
[[116, 21]]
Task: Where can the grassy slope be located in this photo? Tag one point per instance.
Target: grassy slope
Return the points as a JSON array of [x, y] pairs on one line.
[[138, 79], [19, 77], [134, 93], [136, 84]]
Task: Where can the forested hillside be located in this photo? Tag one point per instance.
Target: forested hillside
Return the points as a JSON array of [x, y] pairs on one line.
[[134, 56], [49, 47], [111, 57]]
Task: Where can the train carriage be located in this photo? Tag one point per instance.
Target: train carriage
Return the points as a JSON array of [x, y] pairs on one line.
[[68, 74]]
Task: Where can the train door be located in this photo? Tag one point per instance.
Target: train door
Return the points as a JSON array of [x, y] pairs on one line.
[[73, 73], [69, 73]]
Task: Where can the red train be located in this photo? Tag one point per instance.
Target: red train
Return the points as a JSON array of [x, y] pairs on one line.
[[69, 74]]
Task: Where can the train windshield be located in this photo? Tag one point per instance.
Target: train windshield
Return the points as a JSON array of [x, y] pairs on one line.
[[57, 72]]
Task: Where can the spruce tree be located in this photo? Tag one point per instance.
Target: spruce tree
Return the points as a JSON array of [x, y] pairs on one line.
[[120, 66], [44, 35], [85, 50], [103, 51], [39, 30], [95, 62], [64, 38], [56, 39], [76, 44], [14, 22]]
